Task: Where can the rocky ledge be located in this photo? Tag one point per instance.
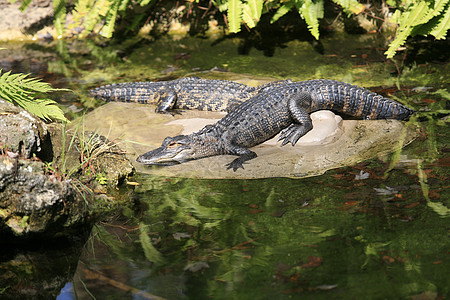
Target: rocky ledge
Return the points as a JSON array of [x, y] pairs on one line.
[[53, 182]]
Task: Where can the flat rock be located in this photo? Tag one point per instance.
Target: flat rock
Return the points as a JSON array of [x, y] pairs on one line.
[[331, 144]]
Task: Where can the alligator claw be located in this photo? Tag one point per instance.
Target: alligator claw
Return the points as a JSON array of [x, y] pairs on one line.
[[169, 112], [291, 135], [235, 164]]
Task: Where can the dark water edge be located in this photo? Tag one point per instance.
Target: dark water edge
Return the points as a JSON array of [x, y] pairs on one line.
[[333, 236]]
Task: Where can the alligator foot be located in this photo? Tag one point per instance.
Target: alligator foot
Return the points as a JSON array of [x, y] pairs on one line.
[[238, 162], [293, 133], [170, 112]]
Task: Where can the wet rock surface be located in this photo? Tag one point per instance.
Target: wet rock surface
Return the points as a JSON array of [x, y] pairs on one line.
[[331, 144]]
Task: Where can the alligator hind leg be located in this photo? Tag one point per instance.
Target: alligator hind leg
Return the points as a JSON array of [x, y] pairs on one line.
[[302, 121]]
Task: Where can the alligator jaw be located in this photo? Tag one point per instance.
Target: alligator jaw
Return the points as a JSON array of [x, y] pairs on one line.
[[174, 150]]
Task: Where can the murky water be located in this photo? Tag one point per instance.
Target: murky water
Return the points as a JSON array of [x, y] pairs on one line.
[[376, 230]]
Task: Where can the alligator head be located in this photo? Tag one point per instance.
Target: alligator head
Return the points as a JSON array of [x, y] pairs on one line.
[[173, 150]]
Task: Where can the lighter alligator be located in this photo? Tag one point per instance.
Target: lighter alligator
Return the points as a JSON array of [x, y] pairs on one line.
[[282, 107], [183, 93]]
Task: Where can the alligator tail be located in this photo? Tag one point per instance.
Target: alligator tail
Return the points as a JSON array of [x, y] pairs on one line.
[[358, 102], [127, 92]]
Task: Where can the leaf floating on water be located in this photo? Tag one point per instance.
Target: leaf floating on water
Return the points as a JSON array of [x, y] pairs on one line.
[[196, 266], [388, 259], [326, 287], [412, 205], [255, 211], [278, 214], [386, 191], [362, 175], [313, 261], [181, 235]]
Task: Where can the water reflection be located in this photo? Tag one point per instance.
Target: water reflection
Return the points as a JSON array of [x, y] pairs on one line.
[[39, 271], [279, 238]]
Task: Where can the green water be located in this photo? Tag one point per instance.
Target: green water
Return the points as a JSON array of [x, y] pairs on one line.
[[335, 236]]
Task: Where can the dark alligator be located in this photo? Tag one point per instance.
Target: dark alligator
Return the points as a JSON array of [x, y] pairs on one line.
[[282, 107], [184, 93]]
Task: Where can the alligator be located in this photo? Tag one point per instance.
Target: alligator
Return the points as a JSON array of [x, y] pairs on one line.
[[183, 93], [284, 108]]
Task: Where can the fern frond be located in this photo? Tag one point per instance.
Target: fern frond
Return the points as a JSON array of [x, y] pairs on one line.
[[312, 11], [416, 15], [145, 2], [252, 12], [284, 9], [24, 91], [350, 6], [407, 20], [234, 15], [110, 20], [24, 5], [440, 30], [59, 15]]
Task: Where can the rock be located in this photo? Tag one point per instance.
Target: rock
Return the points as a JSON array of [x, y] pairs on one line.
[[331, 144], [107, 158], [33, 204], [20, 132], [46, 201]]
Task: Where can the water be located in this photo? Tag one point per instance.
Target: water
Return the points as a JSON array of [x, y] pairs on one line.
[[376, 230]]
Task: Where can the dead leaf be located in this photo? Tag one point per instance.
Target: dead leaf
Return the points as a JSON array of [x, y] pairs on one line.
[[388, 259], [278, 214], [313, 261], [412, 205]]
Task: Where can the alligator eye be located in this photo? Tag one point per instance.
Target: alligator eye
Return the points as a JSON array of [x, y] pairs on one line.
[[172, 145]]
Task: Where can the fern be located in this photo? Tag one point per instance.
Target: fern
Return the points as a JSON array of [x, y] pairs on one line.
[[312, 11], [234, 15], [419, 14], [59, 15], [22, 90], [440, 30], [284, 9], [350, 6], [252, 12]]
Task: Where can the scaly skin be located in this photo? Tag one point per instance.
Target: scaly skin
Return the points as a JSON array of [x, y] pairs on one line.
[[282, 107], [184, 93]]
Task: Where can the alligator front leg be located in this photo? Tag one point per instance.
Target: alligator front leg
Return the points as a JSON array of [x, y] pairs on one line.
[[244, 155], [167, 99], [302, 121]]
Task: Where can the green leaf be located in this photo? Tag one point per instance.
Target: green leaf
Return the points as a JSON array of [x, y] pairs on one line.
[[440, 30], [24, 5], [30, 94], [252, 12], [234, 15], [350, 6], [282, 11], [312, 11], [59, 15], [108, 28]]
